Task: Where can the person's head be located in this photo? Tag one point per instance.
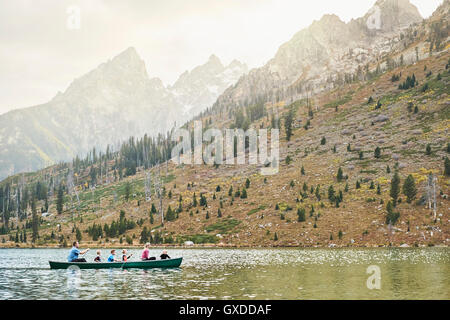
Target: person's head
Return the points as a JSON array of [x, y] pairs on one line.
[[113, 252], [75, 244], [124, 251], [147, 245], [164, 251], [98, 252]]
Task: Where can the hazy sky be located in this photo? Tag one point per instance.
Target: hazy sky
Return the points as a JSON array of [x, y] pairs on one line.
[[41, 52]]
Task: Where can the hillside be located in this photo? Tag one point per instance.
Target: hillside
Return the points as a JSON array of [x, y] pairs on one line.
[[352, 134], [272, 201]]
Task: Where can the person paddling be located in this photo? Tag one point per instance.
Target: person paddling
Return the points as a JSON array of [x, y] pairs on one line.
[[164, 255], [74, 252], [146, 253], [112, 258], [124, 255]]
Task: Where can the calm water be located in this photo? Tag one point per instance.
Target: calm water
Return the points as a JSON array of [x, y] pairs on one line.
[[235, 274]]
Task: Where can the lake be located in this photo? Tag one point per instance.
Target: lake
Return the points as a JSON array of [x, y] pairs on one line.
[[403, 273]]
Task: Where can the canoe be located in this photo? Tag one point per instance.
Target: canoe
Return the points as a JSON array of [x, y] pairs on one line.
[[166, 263]]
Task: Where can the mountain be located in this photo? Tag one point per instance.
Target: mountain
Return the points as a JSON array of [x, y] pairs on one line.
[[316, 55], [336, 167], [198, 89], [105, 106]]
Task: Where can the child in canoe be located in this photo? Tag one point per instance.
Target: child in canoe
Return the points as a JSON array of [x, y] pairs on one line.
[[124, 255], [98, 258], [112, 257], [164, 255]]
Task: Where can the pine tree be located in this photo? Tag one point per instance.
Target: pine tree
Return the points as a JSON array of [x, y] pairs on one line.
[[302, 171], [288, 120], [409, 189], [391, 216], [60, 200], [358, 184], [247, 183], [395, 189], [170, 214], [428, 150], [331, 193], [153, 210], [219, 213], [275, 237], [388, 169], [194, 200], [244, 193], [78, 235], [339, 175], [230, 191], [301, 215], [305, 187], [35, 222], [323, 141], [127, 191], [378, 189], [377, 152], [447, 166]]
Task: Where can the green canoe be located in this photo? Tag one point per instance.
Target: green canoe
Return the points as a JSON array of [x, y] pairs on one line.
[[167, 263]]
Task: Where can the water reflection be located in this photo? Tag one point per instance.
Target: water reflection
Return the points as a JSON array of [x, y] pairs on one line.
[[235, 274]]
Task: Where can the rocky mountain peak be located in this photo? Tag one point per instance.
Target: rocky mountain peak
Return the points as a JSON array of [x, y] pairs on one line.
[[388, 15]]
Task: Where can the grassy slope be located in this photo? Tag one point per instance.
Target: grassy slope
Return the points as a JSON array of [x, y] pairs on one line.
[[360, 218]]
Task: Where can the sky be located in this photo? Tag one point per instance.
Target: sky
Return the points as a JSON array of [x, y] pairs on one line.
[[46, 44]]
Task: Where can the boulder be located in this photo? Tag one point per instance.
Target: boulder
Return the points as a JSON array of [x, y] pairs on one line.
[[381, 118]]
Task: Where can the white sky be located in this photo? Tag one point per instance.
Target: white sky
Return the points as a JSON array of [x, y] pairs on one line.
[[39, 55]]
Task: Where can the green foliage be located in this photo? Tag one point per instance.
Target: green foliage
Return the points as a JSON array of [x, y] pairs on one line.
[[288, 160], [428, 150], [223, 226], [288, 120], [127, 191], [447, 166], [301, 215], [340, 175], [395, 189], [410, 82], [391, 216], [60, 200], [78, 235], [409, 189], [331, 193], [377, 153]]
